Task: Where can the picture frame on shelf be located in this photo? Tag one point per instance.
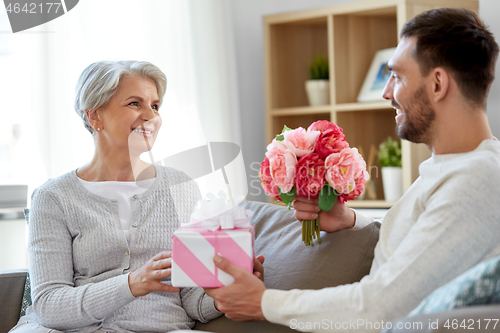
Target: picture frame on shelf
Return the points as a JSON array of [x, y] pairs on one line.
[[378, 74]]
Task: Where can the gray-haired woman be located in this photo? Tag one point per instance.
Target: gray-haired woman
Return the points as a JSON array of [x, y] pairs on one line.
[[98, 236]]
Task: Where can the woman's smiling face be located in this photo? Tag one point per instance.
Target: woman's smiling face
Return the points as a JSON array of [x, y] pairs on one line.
[[131, 119]]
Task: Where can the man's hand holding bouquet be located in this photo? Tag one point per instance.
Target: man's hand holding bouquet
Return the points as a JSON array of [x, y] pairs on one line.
[[311, 168]]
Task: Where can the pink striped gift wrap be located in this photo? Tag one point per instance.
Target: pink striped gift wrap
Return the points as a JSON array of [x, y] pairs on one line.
[[193, 250]]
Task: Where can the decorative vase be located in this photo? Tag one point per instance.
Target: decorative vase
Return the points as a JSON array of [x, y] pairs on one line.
[[318, 92], [392, 182]]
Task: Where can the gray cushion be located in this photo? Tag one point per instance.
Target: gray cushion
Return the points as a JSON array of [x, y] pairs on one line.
[[343, 257], [11, 295]]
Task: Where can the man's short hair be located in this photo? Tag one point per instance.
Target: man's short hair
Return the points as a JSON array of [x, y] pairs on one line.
[[458, 41]]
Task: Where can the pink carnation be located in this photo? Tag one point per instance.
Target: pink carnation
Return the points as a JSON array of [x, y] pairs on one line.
[[344, 171], [268, 183], [310, 176], [282, 162], [331, 141], [300, 141]]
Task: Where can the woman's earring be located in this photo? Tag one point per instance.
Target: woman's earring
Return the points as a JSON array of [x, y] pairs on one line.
[[98, 128]]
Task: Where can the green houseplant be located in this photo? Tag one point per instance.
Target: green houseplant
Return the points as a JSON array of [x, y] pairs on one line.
[[318, 69], [389, 157], [318, 87], [389, 153]]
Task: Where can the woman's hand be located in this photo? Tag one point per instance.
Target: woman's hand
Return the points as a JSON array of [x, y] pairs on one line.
[[148, 278], [338, 218], [258, 269]]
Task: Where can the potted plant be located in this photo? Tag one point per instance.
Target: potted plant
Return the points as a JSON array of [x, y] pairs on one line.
[[318, 87], [389, 157]]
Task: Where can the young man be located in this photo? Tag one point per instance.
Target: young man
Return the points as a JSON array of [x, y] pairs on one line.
[[447, 222]]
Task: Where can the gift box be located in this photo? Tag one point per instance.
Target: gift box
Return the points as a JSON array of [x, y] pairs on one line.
[[193, 251], [218, 226]]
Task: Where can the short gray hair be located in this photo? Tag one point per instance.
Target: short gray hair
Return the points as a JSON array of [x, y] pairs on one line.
[[99, 82]]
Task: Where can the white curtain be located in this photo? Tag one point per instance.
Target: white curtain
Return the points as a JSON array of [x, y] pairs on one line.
[[190, 40]]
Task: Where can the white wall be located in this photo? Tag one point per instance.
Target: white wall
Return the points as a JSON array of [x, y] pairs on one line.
[[489, 11], [248, 34]]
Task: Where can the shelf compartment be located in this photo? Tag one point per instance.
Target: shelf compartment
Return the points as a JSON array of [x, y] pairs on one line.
[[293, 46], [302, 110], [376, 126], [356, 40], [363, 106]]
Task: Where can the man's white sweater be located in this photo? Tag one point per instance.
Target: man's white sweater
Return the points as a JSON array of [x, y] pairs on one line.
[[448, 221]]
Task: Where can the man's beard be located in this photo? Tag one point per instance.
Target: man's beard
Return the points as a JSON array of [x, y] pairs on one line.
[[417, 118]]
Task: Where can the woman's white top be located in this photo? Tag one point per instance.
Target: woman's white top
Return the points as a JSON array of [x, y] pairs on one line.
[[121, 191]]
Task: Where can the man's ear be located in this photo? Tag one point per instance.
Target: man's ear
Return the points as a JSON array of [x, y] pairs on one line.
[[440, 80]]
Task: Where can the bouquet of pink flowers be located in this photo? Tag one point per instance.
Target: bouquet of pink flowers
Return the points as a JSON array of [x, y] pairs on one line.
[[314, 163]]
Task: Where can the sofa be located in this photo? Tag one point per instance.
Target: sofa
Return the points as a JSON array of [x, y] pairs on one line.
[[343, 257]]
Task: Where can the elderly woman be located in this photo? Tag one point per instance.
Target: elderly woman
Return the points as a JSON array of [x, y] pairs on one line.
[[99, 235]]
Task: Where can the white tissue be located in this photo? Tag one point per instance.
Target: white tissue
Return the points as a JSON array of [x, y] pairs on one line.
[[219, 211]]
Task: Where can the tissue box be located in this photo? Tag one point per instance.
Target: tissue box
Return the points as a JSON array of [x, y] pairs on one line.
[[193, 250]]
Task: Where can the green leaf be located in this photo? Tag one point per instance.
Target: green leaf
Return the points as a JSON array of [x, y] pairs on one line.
[[327, 198], [287, 197], [281, 137]]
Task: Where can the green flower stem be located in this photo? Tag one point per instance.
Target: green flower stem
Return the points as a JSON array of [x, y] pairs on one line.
[[311, 242], [318, 230], [310, 231], [303, 232], [306, 233]]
